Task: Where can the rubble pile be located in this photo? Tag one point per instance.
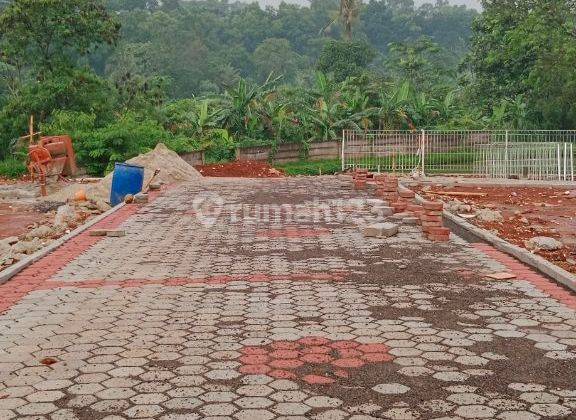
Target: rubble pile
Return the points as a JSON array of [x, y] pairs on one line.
[[65, 218]]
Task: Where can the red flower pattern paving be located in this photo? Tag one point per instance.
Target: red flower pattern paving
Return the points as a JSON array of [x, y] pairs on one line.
[[314, 360]]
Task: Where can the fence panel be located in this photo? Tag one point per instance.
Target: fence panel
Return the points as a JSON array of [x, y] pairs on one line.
[[538, 155]]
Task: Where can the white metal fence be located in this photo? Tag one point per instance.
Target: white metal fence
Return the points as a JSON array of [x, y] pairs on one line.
[[535, 154]]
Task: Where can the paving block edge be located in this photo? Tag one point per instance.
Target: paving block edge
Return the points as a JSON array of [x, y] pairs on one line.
[[11, 271]]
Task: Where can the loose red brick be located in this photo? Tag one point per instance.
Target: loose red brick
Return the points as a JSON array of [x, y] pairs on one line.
[[433, 205], [407, 194], [431, 218], [414, 208], [439, 231]]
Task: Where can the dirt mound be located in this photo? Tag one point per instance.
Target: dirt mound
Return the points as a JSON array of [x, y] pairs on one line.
[[241, 169], [173, 169], [522, 213]]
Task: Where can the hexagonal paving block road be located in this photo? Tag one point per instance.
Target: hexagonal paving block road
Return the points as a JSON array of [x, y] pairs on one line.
[[261, 299]]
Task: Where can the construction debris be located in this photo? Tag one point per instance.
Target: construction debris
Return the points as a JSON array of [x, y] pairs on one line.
[[543, 243], [459, 193], [141, 198], [501, 276], [380, 230], [487, 215]]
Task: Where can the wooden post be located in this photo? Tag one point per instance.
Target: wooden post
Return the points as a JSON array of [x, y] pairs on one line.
[[31, 129]]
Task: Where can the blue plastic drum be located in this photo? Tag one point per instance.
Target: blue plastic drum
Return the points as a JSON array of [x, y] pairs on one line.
[[127, 179]]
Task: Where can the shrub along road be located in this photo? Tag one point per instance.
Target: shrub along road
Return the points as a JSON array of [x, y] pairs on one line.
[[260, 299]]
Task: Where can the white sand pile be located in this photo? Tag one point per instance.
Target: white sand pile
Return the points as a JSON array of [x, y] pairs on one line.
[[173, 169]]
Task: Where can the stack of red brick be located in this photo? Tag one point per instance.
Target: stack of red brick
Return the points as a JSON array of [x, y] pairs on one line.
[[432, 223], [386, 187], [402, 200], [360, 178]]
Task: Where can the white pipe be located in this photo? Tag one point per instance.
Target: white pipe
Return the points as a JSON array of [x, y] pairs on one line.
[[565, 161], [572, 160], [423, 137], [559, 162], [342, 151]]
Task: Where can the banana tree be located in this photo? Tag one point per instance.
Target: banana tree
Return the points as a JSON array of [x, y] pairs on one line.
[[240, 114], [391, 110]]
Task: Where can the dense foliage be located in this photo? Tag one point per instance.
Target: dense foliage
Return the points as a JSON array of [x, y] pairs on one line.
[[121, 75], [522, 62]]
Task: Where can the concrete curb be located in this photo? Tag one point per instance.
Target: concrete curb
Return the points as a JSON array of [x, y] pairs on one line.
[[11, 271], [535, 261]]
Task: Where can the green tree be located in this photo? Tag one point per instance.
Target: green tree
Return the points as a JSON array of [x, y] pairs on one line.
[[388, 21], [525, 51], [345, 58], [420, 62], [276, 56], [77, 90], [41, 42], [45, 34]]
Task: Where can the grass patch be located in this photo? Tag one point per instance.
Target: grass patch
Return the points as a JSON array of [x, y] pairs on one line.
[[316, 167], [12, 168]]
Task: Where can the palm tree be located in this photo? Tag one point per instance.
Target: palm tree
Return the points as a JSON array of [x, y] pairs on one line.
[[347, 16], [240, 114]]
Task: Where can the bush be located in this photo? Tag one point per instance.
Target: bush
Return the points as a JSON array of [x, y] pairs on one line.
[[12, 167], [121, 140], [219, 146], [98, 148], [77, 91]]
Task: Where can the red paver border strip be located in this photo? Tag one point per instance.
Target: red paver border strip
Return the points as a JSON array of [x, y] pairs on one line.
[[33, 273], [524, 272], [182, 281], [13, 270]]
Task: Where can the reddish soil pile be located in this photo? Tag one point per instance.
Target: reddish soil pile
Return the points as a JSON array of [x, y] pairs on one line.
[[527, 212], [241, 169]]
